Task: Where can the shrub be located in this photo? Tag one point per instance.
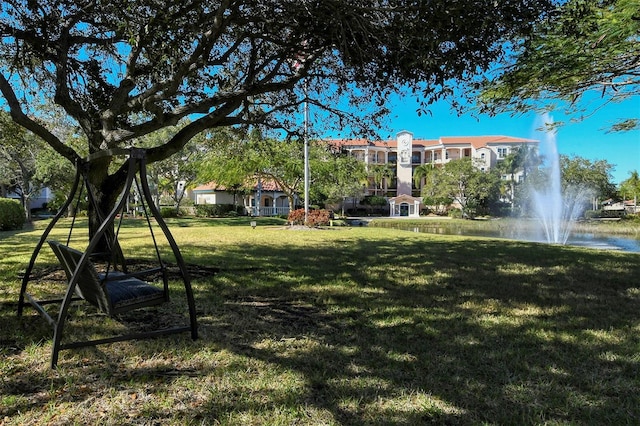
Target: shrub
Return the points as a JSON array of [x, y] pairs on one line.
[[591, 214], [203, 210], [455, 213], [315, 218], [11, 214], [374, 200], [296, 217], [218, 210], [168, 212], [632, 217]]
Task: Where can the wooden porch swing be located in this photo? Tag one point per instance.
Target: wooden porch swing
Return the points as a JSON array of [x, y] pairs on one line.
[[115, 290]]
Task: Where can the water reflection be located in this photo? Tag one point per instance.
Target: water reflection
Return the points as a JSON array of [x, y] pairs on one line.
[[589, 240]]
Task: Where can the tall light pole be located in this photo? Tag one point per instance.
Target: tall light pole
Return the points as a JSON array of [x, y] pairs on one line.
[[299, 61], [306, 157]]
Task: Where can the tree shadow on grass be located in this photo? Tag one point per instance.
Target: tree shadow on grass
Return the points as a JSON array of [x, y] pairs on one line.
[[481, 334], [399, 332]]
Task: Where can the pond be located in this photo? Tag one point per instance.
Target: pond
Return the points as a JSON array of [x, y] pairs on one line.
[[591, 240]]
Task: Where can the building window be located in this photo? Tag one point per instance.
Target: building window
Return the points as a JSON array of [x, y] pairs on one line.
[[358, 155], [482, 156], [415, 157], [446, 155], [502, 152], [393, 157]]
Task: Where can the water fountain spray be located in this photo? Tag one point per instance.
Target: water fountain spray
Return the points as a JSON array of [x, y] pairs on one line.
[[556, 208]]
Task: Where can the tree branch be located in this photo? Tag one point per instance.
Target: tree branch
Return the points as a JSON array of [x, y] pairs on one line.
[[22, 119], [219, 117]]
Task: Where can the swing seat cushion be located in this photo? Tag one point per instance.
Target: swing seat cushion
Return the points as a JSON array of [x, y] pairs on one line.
[[127, 292]]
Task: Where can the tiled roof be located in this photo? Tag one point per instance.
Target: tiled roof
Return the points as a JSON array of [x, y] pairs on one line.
[[475, 141], [211, 186], [267, 185], [480, 141], [405, 198]]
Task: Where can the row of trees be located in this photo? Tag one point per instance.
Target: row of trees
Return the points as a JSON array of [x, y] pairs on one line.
[[235, 159], [125, 70], [122, 71]]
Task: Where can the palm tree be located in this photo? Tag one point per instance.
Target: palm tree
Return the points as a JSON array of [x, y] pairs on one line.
[[379, 172], [509, 166], [631, 187], [520, 159], [527, 158], [421, 172]]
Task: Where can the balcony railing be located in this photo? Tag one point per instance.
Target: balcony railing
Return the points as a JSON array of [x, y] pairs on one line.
[[268, 211]]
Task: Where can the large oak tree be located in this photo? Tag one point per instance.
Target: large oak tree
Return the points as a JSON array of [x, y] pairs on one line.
[[123, 69]]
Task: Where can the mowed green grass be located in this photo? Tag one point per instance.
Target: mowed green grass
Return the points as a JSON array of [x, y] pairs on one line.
[[343, 326]]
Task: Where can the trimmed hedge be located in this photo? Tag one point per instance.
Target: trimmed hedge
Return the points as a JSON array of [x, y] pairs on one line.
[[11, 214], [218, 210]]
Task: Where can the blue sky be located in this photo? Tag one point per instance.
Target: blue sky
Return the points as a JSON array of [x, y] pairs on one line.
[[587, 138]]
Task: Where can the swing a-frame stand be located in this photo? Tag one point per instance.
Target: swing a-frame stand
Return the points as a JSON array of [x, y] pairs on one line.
[[114, 290]]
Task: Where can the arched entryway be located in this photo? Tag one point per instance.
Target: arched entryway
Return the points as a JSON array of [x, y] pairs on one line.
[[404, 205]]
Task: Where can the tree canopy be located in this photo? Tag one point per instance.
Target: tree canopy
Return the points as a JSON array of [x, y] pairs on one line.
[[584, 46], [630, 187], [126, 69], [236, 161], [22, 158], [123, 69], [461, 183], [581, 172]]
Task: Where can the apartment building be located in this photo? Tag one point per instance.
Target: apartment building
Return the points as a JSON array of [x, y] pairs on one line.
[[404, 153]]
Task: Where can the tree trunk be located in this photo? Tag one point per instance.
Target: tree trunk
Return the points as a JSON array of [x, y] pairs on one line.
[[292, 203], [24, 200], [105, 190]]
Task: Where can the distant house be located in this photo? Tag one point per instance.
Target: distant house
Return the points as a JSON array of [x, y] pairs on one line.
[[212, 193], [624, 207], [38, 201], [263, 198]]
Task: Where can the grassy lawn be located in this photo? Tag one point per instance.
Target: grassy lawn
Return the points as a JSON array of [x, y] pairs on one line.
[[344, 326]]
